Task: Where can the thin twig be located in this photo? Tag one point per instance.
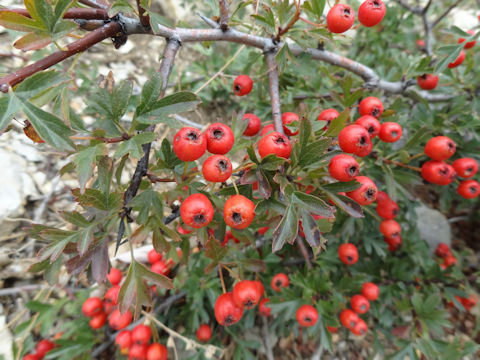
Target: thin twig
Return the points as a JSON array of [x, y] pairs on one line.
[[415, 10], [144, 17], [398, 163], [445, 13], [273, 86], [283, 30], [224, 14], [99, 4], [304, 251]]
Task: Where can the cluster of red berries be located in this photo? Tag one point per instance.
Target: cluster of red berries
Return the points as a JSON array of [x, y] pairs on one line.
[[467, 302], [41, 349], [341, 17], [443, 251], [430, 81], [388, 209], [437, 171], [360, 304], [135, 344], [158, 264]]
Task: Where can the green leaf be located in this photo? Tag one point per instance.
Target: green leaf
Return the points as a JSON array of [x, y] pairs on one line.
[[312, 204], [346, 204], [286, 230], [214, 251], [40, 82], [9, 106], [32, 41], [133, 146], [310, 228], [337, 124], [342, 186], [144, 201], [84, 161], [45, 14], [17, 22], [313, 152], [172, 104], [453, 51], [417, 138], [97, 199]]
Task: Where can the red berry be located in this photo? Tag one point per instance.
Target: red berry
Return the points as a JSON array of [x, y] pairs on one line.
[[229, 236], [154, 256], [226, 312], [118, 321], [371, 106], [348, 318], [393, 242], [97, 321], [371, 12], [112, 294], [238, 212], [124, 339], [469, 302], [242, 85], [32, 357], [369, 123], [427, 81], [287, 119], [469, 44], [440, 148], [275, 143], [382, 196], [390, 132], [465, 167], [260, 287], [115, 276], [189, 144], [340, 18], [264, 309], [267, 129], [353, 139], [138, 352], [360, 304], [328, 115], [220, 138], [390, 228], [360, 327], [387, 209], [442, 250], [157, 351], [438, 172], [370, 291], [183, 230], [420, 43], [279, 281], [449, 260], [44, 346], [366, 193], [196, 211], [348, 253], [246, 294], [263, 230], [217, 168], [332, 329], [343, 167], [365, 150], [306, 315], [458, 61], [204, 333], [141, 334], [468, 189], [254, 124], [92, 306], [160, 267]]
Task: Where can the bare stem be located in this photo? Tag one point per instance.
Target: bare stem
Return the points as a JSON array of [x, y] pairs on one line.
[[73, 13], [445, 13], [398, 163], [224, 14], [144, 17], [99, 4], [274, 90], [283, 30]]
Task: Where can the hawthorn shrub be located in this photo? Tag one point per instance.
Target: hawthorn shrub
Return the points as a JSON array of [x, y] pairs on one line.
[[292, 215]]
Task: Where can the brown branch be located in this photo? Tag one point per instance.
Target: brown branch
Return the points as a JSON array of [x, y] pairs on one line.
[[144, 17], [273, 86], [283, 30], [224, 14], [76, 47], [446, 12], [415, 10], [398, 163], [99, 4], [113, 140], [73, 13]]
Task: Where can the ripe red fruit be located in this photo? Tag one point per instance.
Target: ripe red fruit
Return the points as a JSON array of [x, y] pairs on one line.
[[332, 329], [340, 18], [370, 291], [469, 44], [44, 346], [118, 321], [468, 189], [260, 287], [32, 357], [160, 267], [440, 148], [157, 351], [306, 315], [442, 250], [275, 143], [196, 211], [264, 309], [371, 106], [366, 193], [217, 168], [427, 81], [390, 228], [246, 294], [393, 242], [220, 138], [438, 172], [365, 150], [369, 123], [287, 119], [263, 230], [124, 339], [343, 167], [203, 333], [138, 352], [465, 167], [360, 327], [154, 256], [469, 302], [390, 132], [354, 138], [229, 236], [382, 196], [360, 304], [279, 281], [189, 144], [242, 85], [458, 61], [254, 124], [371, 12], [348, 318], [238, 212], [115, 276], [267, 129], [420, 43], [449, 260], [387, 209], [183, 230], [328, 115], [97, 321], [141, 334], [348, 253], [226, 312], [92, 306]]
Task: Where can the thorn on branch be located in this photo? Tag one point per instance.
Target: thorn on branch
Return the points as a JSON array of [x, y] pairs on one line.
[[283, 30], [224, 14]]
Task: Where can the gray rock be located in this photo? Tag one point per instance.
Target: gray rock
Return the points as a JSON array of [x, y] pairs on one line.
[[433, 226]]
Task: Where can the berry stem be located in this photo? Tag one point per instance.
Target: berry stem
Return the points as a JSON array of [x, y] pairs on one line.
[[235, 186], [233, 273], [220, 273], [398, 163]]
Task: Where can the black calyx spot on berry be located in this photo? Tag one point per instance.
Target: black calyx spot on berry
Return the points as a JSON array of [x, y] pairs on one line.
[[377, 5], [278, 283], [472, 189], [363, 140], [353, 170], [370, 193], [217, 134], [280, 140], [237, 217], [394, 134], [199, 218], [222, 165], [375, 111], [192, 135], [307, 319], [349, 259], [228, 320], [346, 11]]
